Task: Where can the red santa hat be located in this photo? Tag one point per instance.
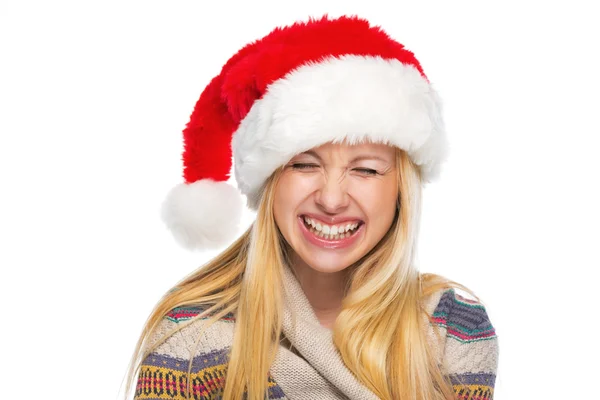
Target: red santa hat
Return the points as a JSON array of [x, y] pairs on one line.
[[301, 86]]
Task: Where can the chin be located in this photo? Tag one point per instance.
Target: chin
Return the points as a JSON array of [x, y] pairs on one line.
[[328, 264]]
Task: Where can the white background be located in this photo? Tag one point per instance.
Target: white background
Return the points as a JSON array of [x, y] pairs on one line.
[[93, 98]]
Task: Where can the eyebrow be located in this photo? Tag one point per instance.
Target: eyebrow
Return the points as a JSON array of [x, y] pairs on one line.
[[355, 159]]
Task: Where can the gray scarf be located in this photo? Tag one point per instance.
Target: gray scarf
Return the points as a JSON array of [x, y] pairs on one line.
[[312, 368]]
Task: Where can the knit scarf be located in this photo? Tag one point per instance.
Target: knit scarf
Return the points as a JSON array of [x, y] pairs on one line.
[[308, 365]]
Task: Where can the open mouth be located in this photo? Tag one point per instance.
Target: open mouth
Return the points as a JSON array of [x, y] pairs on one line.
[[331, 232]]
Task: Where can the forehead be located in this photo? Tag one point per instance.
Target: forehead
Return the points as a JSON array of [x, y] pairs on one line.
[[375, 150]]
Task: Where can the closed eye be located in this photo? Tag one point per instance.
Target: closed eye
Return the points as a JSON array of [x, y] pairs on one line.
[[366, 171], [304, 166]]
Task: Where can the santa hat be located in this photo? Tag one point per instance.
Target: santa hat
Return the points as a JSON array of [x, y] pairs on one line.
[[301, 86]]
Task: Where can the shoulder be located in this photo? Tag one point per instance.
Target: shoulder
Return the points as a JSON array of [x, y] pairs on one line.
[[182, 340], [466, 320], [470, 351], [183, 327]]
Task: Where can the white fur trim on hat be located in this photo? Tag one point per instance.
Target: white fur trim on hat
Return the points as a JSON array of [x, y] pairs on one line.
[[348, 98], [203, 214]]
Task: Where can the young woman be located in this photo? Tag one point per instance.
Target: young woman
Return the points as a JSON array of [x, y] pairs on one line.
[[334, 129]]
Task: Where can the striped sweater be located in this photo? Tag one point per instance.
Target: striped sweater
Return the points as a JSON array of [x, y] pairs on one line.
[[469, 351]]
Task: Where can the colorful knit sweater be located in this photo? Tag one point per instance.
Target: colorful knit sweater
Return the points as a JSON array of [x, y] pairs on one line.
[[469, 351]]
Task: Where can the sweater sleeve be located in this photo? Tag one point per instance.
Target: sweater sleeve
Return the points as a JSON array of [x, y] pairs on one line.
[[470, 353]]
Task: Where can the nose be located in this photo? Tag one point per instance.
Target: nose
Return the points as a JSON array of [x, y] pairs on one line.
[[332, 197]]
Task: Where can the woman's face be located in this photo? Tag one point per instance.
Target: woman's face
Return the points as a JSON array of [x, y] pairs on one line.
[[335, 202]]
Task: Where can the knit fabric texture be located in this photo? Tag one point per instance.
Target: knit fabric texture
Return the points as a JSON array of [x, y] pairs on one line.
[[307, 365]]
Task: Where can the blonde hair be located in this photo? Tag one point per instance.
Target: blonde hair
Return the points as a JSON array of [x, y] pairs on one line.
[[379, 332]]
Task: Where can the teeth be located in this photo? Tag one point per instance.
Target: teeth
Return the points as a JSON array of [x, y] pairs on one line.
[[331, 232]]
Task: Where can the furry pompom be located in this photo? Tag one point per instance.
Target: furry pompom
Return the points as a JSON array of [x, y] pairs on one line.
[[204, 214]]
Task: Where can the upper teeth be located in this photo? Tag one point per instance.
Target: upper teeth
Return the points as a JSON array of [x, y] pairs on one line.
[[330, 229]]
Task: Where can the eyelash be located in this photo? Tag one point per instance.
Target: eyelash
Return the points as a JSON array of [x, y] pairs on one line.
[[366, 171]]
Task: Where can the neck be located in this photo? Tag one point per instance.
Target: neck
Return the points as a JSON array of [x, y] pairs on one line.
[[325, 291]]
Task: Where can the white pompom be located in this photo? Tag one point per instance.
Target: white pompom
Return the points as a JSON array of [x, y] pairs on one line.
[[203, 215]]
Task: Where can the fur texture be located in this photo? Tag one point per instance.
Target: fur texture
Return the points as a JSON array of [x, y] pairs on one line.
[[203, 214]]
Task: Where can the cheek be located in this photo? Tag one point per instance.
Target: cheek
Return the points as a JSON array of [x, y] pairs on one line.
[[291, 191], [378, 200], [279, 203]]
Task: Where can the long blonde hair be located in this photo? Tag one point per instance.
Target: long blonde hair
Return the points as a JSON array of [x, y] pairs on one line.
[[379, 332]]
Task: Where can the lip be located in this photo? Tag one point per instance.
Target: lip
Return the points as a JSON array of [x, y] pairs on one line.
[[329, 244], [331, 220]]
